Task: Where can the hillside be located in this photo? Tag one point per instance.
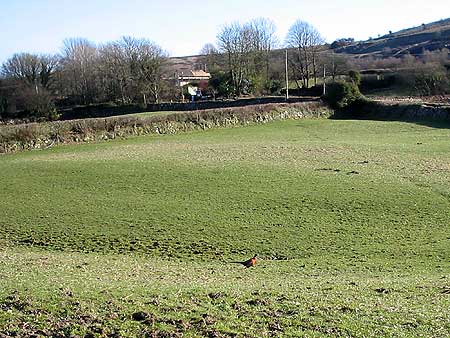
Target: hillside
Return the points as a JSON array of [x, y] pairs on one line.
[[430, 37], [184, 64]]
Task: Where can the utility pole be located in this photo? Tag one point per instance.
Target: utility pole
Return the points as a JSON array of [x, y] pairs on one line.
[[287, 77], [324, 79], [180, 79], [333, 69], [36, 86]]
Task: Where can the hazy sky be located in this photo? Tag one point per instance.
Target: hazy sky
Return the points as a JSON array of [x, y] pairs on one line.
[[183, 27]]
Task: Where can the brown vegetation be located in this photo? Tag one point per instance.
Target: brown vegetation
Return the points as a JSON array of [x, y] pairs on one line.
[[43, 135]]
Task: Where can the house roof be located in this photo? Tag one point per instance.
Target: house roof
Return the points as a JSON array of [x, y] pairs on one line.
[[195, 74], [200, 73]]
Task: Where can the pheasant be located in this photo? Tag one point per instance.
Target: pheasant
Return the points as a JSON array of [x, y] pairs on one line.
[[248, 263]]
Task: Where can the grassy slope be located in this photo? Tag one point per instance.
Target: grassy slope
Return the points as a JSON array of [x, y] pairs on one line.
[[335, 209]]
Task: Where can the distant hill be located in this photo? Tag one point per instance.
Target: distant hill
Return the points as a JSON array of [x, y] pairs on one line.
[[184, 64], [416, 40]]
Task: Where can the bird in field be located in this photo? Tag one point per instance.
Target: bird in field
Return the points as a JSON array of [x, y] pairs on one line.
[[248, 263]]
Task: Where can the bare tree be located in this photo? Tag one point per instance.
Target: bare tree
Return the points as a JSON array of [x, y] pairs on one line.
[[79, 64], [32, 69], [211, 54], [247, 47], [306, 40], [133, 67], [264, 40], [234, 40], [145, 61], [209, 49], [29, 78], [48, 67], [115, 72], [152, 60], [23, 67], [336, 64]]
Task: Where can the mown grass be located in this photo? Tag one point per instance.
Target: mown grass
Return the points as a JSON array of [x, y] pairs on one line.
[[350, 219]]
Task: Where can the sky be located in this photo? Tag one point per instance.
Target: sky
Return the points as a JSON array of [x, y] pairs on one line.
[[182, 27]]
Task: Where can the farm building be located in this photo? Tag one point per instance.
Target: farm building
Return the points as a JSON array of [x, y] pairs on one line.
[[191, 76]]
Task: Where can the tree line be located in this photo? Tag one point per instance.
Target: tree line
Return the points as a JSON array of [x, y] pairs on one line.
[[125, 71], [246, 59], [252, 66]]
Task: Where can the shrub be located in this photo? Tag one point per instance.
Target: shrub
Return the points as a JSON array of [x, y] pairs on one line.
[[274, 87], [37, 105], [220, 84], [27, 133], [256, 85], [3, 107], [355, 77], [372, 82], [341, 95], [432, 81]]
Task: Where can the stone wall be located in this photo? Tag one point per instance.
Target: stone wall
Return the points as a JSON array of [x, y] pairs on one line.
[[44, 135], [405, 111]]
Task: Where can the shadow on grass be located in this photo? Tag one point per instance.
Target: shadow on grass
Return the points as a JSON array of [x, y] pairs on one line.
[[429, 116]]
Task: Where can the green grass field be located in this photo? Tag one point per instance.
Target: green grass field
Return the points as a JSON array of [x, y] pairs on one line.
[[350, 220]]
